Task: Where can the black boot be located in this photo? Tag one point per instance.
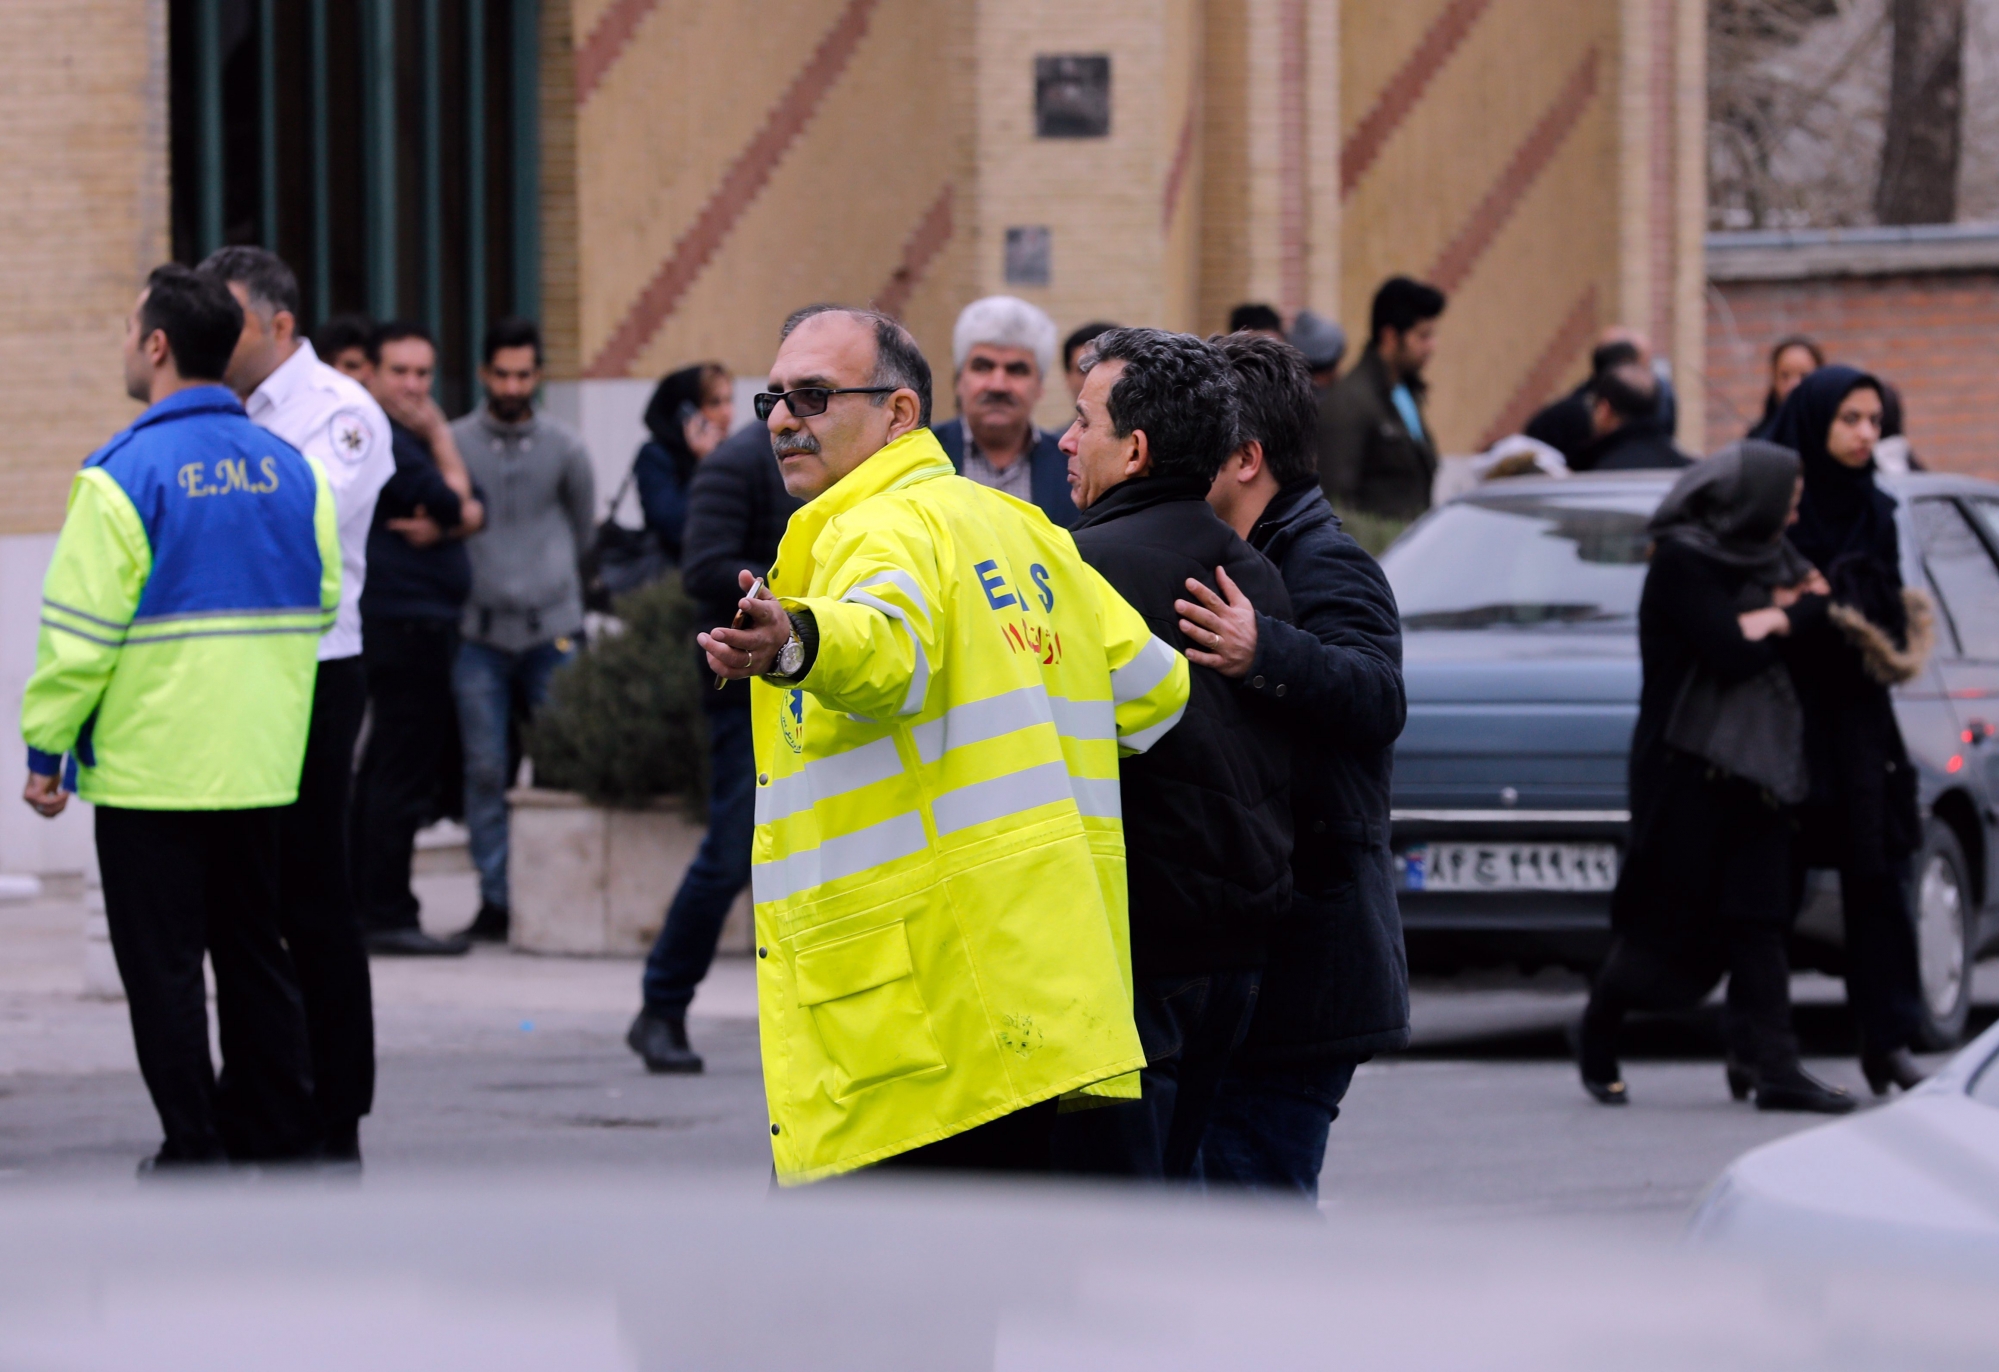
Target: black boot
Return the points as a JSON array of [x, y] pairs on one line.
[[662, 1042], [1741, 1078], [1797, 1089], [490, 925], [1896, 1068], [415, 943], [1596, 1057]]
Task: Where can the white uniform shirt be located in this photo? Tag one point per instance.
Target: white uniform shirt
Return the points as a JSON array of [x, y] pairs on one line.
[[330, 416]]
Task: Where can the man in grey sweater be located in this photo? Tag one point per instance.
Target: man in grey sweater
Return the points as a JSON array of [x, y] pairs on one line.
[[525, 612]]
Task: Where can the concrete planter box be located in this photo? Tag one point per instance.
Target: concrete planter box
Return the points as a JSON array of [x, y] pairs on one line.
[[592, 881]]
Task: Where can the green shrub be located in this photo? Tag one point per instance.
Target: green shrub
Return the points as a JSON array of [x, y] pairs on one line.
[[1372, 531], [623, 723]]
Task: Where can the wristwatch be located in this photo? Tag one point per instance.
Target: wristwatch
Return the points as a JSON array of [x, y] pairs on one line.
[[790, 657]]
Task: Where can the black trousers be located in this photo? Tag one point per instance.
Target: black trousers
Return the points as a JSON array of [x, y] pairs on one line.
[[316, 903], [1756, 1022], [177, 882], [1017, 1142], [1715, 876], [1884, 986], [1188, 1026], [412, 725]]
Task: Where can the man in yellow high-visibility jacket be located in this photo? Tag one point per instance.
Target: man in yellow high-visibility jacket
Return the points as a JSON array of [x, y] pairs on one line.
[[943, 692]]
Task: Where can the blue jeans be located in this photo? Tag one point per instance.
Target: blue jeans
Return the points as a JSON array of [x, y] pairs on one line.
[[1269, 1127], [494, 688], [686, 943], [1188, 1026]]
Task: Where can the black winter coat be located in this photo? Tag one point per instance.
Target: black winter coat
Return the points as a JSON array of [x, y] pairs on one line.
[[1633, 447], [1682, 866], [1337, 984], [1207, 810], [405, 581], [737, 508]]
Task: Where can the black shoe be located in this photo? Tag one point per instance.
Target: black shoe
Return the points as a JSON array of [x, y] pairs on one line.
[[1884, 1070], [1597, 1061], [1741, 1078], [415, 943], [1798, 1090], [662, 1042], [490, 925]]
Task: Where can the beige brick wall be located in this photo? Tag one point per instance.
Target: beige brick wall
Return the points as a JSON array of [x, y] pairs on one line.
[[83, 148]]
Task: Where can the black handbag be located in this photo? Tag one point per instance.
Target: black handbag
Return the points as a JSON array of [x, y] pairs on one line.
[[1753, 729], [621, 559]]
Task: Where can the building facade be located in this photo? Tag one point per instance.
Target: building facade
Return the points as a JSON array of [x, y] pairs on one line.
[[662, 181]]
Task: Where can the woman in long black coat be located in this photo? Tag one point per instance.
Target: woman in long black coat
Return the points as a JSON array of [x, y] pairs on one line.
[[1705, 887], [1861, 817]]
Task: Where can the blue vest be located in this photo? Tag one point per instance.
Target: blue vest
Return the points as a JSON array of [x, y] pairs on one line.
[[227, 507]]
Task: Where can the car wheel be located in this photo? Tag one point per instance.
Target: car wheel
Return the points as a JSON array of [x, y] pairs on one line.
[[1944, 914]]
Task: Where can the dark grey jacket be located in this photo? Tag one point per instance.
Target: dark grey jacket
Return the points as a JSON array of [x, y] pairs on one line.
[[737, 508], [1337, 983], [1368, 459], [540, 506]]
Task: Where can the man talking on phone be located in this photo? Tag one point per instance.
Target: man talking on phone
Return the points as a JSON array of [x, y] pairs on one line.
[[940, 692]]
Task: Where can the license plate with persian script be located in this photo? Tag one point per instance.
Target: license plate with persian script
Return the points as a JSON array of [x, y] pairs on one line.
[[1587, 867]]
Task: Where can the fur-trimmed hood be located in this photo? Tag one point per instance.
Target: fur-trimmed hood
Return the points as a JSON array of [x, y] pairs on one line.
[[1883, 661]]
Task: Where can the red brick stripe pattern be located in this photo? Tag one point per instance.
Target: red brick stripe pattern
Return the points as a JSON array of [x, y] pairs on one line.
[[1454, 265], [925, 241], [741, 184], [1405, 88], [1569, 343], [606, 42], [1183, 156]]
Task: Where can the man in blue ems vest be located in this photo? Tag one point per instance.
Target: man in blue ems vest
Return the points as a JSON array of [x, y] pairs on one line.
[[198, 565]]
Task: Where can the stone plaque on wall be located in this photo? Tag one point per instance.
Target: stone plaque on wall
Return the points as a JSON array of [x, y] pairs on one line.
[[1029, 248], [1072, 96]]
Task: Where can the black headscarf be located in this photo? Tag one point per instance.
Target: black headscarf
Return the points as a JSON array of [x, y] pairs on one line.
[[1732, 508], [1846, 525], [662, 419]]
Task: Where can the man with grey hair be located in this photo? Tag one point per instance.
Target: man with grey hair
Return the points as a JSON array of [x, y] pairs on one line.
[[1003, 349]]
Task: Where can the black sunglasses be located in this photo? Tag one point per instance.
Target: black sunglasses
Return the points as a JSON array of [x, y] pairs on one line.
[[807, 401]]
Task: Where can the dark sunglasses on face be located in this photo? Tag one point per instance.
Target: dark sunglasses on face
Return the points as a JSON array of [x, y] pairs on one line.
[[810, 400]]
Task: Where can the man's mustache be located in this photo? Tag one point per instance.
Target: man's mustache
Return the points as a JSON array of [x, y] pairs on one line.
[[793, 443], [998, 398]]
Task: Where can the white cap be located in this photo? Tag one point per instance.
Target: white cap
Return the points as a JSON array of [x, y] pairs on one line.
[[1008, 321]]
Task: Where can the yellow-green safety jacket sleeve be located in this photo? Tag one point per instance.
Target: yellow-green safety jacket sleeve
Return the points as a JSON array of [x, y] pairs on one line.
[[101, 563], [326, 531], [878, 643], [1149, 681]]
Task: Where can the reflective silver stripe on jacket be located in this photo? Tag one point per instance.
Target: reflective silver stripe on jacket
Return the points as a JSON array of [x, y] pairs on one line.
[[1137, 678], [1088, 720], [978, 720], [919, 680], [1001, 796], [903, 582], [897, 837], [1145, 738], [1098, 797], [827, 777]]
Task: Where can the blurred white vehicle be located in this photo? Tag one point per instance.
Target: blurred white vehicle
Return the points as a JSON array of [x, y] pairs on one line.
[[1912, 1183]]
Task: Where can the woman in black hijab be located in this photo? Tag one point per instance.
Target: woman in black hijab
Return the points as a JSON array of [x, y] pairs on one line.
[[1792, 359], [1717, 758], [1861, 817], [686, 418]]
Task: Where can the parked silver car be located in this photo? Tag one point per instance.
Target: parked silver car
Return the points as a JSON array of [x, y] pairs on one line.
[[1519, 609]]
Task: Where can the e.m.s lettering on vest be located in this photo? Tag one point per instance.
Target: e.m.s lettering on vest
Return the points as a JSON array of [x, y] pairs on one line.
[[230, 475]]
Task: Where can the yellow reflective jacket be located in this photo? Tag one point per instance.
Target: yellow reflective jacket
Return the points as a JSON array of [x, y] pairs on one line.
[[939, 861]]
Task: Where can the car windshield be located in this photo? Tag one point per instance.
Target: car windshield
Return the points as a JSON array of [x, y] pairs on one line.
[[1498, 561]]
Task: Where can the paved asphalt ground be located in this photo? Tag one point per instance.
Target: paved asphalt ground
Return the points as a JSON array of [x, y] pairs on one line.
[[506, 1061]]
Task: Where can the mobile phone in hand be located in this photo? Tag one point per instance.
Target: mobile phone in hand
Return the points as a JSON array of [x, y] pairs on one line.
[[742, 620]]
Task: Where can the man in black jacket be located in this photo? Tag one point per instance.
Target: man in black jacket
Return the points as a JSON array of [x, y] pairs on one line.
[[737, 508], [1337, 987], [418, 578], [1624, 423], [1207, 818]]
